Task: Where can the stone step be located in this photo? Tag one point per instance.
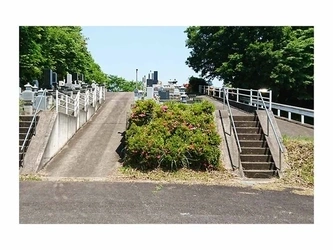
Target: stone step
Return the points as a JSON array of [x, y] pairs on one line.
[[245, 118], [27, 124], [255, 150], [253, 143], [25, 118], [260, 174], [250, 130], [22, 140], [256, 158], [253, 137], [246, 124], [25, 130], [258, 165], [22, 135]]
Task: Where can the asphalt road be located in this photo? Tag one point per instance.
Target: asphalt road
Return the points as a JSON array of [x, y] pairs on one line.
[[47, 202]]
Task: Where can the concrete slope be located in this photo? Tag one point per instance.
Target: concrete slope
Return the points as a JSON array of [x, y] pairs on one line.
[[92, 152]]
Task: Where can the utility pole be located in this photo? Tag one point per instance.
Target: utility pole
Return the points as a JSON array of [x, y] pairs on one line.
[[136, 79]]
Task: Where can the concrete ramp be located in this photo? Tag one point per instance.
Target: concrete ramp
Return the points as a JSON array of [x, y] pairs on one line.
[[94, 149]]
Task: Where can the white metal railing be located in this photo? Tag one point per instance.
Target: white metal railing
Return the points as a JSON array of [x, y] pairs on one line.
[[71, 105], [233, 127], [33, 121], [65, 103], [269, 122], [251, 98]]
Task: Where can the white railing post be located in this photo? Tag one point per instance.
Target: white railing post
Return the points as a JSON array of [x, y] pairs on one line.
[[270, 100], [257, 99], [237, 97], [289, 116], [57, 102], [302, 119], [223, 97], [77, 110], [86, 100], [66, 104], [278, 113], [251, 97], [100, 95], [94, 97]]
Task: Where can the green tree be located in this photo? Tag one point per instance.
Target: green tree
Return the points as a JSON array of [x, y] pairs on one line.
[[280, 58], [62, 49], [116, 84], [194, 83]]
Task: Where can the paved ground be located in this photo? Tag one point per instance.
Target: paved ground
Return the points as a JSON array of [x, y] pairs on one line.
[[145, 203], [92, 152], [99, 202]]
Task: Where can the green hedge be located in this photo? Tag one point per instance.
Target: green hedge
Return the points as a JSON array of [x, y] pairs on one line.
[[172, 136]]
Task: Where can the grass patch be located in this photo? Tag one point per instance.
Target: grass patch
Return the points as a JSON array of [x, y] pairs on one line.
[[300, 158], [183, 175], [29, 177]]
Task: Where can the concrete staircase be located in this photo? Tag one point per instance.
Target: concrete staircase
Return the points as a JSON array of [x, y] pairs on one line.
[[25, 121], [256, 158]]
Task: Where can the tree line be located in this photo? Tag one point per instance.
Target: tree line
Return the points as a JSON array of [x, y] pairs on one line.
[[63, 49], [280, 58]]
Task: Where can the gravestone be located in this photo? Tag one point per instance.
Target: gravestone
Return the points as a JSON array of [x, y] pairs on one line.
[[28, 97], [47, 83], [35, 83], [54, 80], [41, 101]]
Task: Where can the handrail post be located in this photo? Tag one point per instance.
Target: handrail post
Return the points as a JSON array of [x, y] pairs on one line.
[[85, 101], [99, 94], [237, 96], [223, 97], [270, 100], [66, 104], [57, 100], [257, 99], [267, 125], [251, 97], [280, 158]]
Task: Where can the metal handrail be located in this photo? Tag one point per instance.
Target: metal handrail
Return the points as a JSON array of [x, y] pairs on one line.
[[70, 103], [232, 125], [269, 121], [33, 119]]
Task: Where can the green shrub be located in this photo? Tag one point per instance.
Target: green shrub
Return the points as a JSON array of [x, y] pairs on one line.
[[172, 136]]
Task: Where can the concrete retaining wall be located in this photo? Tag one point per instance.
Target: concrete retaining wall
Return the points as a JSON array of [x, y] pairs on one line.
[[53, 132], [271, 140], [229, 147]]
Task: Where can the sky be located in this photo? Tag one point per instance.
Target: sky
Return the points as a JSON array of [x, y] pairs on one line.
[[120, 50]]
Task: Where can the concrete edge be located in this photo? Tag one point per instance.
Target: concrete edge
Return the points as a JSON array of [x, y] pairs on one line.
[[271, 140], [229, 145], [34, 158], [38, 143]]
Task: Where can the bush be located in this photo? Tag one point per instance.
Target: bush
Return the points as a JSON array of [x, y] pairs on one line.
[[172, 136]]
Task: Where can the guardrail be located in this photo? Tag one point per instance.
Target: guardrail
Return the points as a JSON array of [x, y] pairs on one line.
[[33, 121], [251, 98], [71, 105], [233, 127], [269, 122]]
